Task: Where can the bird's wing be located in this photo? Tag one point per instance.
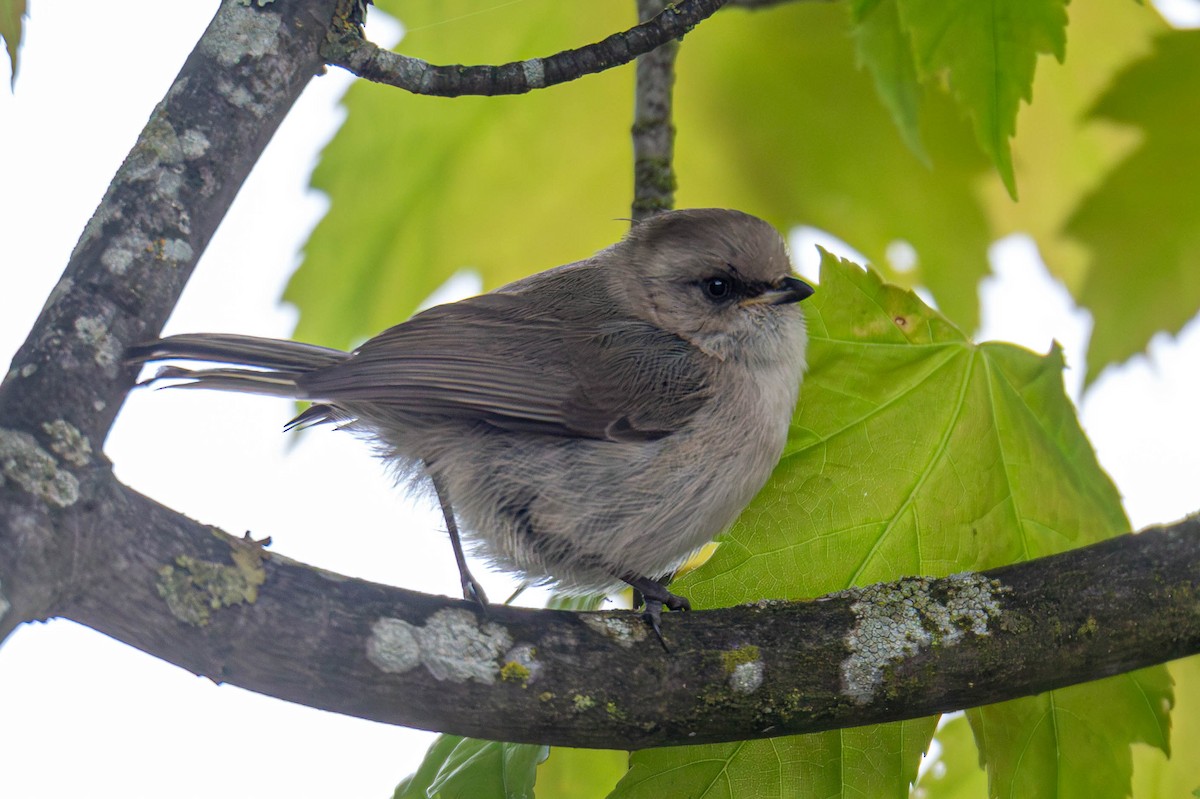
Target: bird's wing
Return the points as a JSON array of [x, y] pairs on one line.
[[490, 359]]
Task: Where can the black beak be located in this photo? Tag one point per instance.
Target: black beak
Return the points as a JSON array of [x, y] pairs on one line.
[[789, 289]]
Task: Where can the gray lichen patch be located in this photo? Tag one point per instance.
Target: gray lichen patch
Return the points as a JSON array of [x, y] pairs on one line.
[[456, 647], [626, 629], [393, 646], [158, 146], [172, 251], [744, 667], [535, 73], [971, 603], [240, 97], [238, 32], [895, 621], [68, 443], [747, 677], [34, 470], [122, 251], [193, 143], [157, 157], [194, 588], [453, 644], [93, 331]]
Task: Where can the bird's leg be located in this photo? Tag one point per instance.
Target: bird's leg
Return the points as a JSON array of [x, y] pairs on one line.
[[472, 590], [654, 596]]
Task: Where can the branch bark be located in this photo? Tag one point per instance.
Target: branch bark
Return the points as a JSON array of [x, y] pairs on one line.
[[349, 50], [225, 608], [67, 381]]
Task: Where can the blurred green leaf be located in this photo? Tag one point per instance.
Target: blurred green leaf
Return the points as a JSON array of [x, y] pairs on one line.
[[878, 761], [1154, 775], [580, 773], [468, 768], [1061, 155], [884, 48], [956, 774], [775, 119], [1074, 742], [12, 13], [989, 51], [1142, 225], [421, 187], [416, 785]]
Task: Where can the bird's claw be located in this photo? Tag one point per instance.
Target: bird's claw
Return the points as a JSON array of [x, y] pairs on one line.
[[473, 592], [654, 597]]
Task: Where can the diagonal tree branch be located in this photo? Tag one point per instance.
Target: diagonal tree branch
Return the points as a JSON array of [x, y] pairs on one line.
[[67, 381], [348, 49], [140, 247]]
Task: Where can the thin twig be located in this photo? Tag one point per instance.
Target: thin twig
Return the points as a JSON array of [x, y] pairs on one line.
[[653, 130], [348, 49]]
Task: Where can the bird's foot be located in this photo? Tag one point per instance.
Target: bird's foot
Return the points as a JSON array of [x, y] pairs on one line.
[[473, 591], [654, 597]]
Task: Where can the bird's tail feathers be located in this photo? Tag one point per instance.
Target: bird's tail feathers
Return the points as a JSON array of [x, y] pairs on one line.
[[247, 381], [254, 365], [253, 351]]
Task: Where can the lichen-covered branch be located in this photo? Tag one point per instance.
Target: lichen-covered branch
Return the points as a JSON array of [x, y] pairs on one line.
[[226, 608], [348, 49], [653, 129], [59, 397], [159, 212]]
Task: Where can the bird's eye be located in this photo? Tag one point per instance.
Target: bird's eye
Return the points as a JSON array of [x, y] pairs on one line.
[[717, 288]]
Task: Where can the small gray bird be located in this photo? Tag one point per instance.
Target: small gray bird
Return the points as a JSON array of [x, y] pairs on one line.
[[589, 425]]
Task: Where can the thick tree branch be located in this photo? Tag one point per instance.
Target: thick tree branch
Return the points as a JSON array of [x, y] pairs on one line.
[[653, 130], [348, 49], [224, 608]]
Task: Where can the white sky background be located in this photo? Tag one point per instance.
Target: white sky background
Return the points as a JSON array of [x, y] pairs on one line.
[[81, 714]]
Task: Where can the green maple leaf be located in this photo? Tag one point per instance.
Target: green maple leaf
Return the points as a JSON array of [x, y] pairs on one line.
[[915, 451], [988, 49], [1142, 224], [468, 768]]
